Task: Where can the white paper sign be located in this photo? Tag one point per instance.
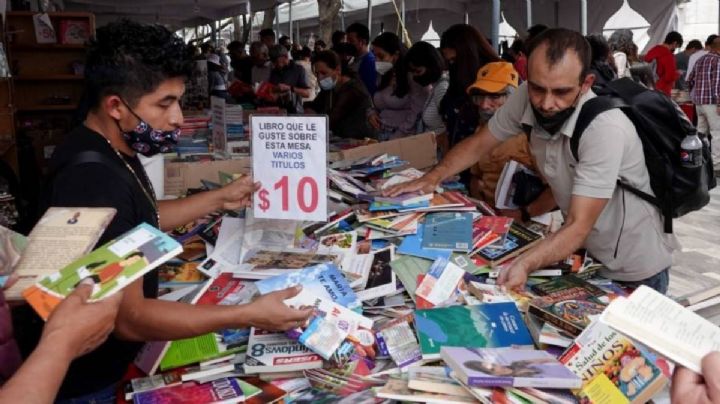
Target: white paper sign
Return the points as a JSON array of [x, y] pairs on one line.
[[290, 161]]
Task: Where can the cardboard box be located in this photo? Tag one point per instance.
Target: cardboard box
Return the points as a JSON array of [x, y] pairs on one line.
[[420, 151], [181, 176]]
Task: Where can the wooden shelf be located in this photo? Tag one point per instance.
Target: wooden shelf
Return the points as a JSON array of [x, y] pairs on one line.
[[34, 108], [46, 47], [49, 77]]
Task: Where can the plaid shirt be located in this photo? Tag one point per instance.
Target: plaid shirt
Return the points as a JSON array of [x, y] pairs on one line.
[[704, 80]]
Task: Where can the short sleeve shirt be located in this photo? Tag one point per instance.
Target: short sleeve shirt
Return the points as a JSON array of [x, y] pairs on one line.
[[628, 236]]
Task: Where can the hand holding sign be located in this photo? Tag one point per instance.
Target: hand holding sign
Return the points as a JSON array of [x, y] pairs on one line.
[[289, 159]]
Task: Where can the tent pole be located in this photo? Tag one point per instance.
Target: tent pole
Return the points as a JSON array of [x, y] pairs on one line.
[[528, 8], [402, 12], [583, 17], [369, 16], [290, 28], [495, 23], [277, 21]]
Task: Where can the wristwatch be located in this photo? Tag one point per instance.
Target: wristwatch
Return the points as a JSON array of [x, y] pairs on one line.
[[524, 215]]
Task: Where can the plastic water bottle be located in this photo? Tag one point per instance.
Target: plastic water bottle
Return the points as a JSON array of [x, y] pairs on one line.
[[691, 151]]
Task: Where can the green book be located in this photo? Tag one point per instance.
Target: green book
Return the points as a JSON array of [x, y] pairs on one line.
[[491, 325], [197, 349]]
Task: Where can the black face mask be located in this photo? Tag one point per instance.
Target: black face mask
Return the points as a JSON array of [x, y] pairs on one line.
[[552, 124]]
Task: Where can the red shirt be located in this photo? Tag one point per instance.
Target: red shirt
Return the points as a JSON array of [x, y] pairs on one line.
[[665, 68], [521, 66]]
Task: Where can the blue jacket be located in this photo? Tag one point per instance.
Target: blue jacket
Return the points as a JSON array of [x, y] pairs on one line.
[[367, 72]]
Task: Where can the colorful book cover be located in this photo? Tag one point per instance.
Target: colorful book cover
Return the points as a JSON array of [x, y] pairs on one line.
[[571, 310], [268, 392], [600, 390], [276, 352], [504, 367], [178, 273], [498, 226], [272, 262], [479, 326], [440, 283], [562, 284], [323, 280], [602, 351], [518, 239], [113, 266], [223, 290], [226, 390], [448, 230]]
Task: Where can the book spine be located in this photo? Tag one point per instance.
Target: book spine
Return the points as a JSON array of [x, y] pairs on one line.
[[548, 382], [554, 320]]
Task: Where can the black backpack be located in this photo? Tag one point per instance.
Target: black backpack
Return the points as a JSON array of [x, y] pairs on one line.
[[662, 126]]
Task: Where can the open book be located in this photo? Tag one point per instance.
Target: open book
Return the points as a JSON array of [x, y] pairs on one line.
[[113, 266], [60, 237], [663, 325]]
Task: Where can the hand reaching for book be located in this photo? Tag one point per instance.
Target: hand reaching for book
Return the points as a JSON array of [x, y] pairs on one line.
[[690, 387], [79, 326], [270, 313], [427, 183], [513, 278]]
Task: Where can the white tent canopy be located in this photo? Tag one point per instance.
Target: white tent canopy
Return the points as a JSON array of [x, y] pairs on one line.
[[660, 15]]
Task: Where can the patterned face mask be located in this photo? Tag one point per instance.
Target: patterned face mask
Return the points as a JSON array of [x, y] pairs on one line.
[[148, 141]]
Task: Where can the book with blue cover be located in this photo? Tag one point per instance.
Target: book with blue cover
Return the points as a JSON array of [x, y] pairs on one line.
[[323, 280], [448, 231], [480, 326], [412, 245]]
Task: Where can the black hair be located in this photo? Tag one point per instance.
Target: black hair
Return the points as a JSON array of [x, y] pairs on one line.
[[330, 58], [338, 36], [472, 52], [518, 46], [710, 39], [322, 43], [559, 41], [135, 254], [673, 37], [301, 53], [131, 60], [695, 44], [391, 44], [360, 30], [422, 54], [283, 39], [95, 264], [235, 46], [599, 48], [267, 32], [535, 30]]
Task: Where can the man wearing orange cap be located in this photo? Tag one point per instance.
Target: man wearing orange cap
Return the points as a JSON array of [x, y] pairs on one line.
[[495, 82]]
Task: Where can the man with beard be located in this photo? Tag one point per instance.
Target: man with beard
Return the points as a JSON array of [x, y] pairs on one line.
[[621, 230]]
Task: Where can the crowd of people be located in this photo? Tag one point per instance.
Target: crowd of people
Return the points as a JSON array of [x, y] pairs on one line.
[[521, 105]]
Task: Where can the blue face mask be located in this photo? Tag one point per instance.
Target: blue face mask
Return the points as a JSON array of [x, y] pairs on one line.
[[148, 141]]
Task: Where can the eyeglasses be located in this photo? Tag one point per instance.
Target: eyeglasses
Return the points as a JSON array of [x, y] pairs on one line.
[[478, 98]]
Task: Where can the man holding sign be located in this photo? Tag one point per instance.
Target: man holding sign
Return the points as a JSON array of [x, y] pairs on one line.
[[289, 160]]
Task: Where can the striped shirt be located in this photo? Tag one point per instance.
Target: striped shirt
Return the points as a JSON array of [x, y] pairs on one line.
[[704, 80]]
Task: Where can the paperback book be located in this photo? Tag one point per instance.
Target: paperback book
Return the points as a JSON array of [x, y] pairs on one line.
[[112, 267], [448, 231], [275, 352], [518, 239]]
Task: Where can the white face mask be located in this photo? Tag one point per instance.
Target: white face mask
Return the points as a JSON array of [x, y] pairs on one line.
[[327, 83], [383, 67]]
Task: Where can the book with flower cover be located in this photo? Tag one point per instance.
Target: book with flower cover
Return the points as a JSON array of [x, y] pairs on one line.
[[505, 367], [113, 266], [600, 350]]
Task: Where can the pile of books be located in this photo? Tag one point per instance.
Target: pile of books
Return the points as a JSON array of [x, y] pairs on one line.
[[405, 305]]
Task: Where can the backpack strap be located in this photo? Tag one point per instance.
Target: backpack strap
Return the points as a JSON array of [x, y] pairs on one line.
[[591, 109], [91, 156]]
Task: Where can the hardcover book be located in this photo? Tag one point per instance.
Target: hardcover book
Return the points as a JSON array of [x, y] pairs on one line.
[[505, 367], [112, 266], [479, 326]]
